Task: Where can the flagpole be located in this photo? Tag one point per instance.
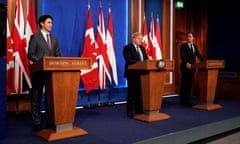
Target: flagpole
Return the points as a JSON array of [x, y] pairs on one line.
[[17, 103], [89, 99], [99, 98], [110, 103]]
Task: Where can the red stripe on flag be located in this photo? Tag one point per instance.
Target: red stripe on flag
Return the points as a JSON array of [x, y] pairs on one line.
[[110, 49], [31, 19], [158, 41]]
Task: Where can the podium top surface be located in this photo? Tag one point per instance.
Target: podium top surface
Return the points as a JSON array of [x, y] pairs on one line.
[[152, 65], [62, 63], [210, 64]]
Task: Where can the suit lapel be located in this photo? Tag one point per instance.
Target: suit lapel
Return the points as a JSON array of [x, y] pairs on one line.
[[41, 36], [134, 51], [188, 48]]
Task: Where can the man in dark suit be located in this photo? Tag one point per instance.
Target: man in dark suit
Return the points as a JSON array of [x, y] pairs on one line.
[[188, 52], [134, 53], [40, 45]]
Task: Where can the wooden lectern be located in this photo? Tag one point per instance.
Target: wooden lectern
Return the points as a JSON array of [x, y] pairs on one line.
[[62, 92], [152, 82], [208, 72]]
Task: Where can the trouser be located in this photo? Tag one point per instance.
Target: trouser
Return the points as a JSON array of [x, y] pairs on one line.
[[134, 98], [36, 92], [186, 85]]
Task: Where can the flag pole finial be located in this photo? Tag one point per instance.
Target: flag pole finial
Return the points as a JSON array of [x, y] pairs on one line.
[[109, 7], [88, 3]]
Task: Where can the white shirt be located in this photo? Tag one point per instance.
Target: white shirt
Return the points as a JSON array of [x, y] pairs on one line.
[[191, 46], [45, 35]]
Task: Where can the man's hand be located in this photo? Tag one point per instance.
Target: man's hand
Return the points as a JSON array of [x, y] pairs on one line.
[[189, 66]]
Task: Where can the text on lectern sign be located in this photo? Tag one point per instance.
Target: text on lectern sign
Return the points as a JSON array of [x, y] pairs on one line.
[[62, 63], [67, 63]]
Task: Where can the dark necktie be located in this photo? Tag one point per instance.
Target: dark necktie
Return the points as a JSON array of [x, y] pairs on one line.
[[48, 42], [191, 48]]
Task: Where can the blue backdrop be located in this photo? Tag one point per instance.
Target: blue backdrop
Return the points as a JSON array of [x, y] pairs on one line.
[[3, 2], [153, 7], [70, 18]]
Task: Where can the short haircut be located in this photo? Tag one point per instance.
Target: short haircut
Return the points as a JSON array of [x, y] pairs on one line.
[[135, 34], [43, 18], [190, 33]]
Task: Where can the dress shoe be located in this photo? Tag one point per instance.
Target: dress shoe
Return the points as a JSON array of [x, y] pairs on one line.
[[186, 104], [130, 114], [50, 126], [141, 112]]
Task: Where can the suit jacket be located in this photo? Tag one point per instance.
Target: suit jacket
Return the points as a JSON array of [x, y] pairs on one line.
[[38, 47], [131, 56], [187, 56]]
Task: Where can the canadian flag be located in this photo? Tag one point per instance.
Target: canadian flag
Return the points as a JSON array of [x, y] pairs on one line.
[[21, 64], [158, 41], [10, 63], [90, 77], [152, 40], [155, 42], [145, 37], [110, 49], [104, 67]]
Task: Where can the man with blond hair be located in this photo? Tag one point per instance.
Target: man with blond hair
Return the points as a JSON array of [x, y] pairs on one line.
[[133, 53]]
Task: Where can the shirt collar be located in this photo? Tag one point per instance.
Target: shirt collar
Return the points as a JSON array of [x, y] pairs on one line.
[[135, 45], [44, 33], [189, 44]]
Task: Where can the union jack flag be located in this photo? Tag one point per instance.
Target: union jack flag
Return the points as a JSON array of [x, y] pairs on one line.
[[18, 71], [104, 67]]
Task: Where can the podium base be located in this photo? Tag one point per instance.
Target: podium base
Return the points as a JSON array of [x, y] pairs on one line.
[[207, 107], [151, 117], [52, 135]]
